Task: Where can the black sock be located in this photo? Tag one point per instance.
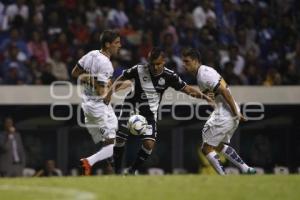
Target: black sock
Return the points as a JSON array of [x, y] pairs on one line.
[[118, 158], [142, 156]]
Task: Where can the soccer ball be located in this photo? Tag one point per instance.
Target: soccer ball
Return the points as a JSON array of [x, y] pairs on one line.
[[137, 124]]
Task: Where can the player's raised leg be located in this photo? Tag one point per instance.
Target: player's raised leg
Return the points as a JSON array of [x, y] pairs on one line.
[[103, 131], [105, 152]]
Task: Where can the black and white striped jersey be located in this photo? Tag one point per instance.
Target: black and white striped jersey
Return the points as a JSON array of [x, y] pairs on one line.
[[148, 89]]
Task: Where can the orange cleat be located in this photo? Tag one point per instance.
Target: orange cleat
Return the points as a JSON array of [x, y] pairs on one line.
[[86, 167]]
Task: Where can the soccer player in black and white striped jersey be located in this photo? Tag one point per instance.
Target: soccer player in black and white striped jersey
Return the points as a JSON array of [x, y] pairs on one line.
[[150, 82]]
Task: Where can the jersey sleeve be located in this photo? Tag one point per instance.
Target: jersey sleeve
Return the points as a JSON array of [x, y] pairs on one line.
[[211, 80], [130, 73], [84, 62], [176, 82]]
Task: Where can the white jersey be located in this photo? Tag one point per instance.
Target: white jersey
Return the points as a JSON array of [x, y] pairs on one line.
[[100, 67], [208, 79], [100, 119]]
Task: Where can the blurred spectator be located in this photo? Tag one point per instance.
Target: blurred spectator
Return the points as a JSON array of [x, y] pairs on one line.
[[245, 44], [168, 30], [35, 25], [253, 74], [294, 58], [291, 77], [14, 71], [190, 39], [12, 153], [59, 68], [16, 40], [117, 18], [145, 46], [47, 77], [54, 26], [206, 40], [3, 18], [230, 76], [264, 36], [38, 48], [169, 43], [79, 30], [236, 59], [213, 27], [34, 72], [227, 21], [13, 76], [93, 14], [273, 77], [18, 8], [173, 61], [37, 7], [202, 12], [61, 44], [49, 169]]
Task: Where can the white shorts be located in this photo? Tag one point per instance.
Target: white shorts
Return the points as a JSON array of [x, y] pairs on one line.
[[219, 128], [100, 120]]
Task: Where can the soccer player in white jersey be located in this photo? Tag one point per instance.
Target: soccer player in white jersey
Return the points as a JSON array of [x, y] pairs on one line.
[[222, 123], [94, 70]]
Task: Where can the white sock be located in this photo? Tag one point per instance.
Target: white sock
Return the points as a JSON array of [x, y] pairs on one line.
[[214, 160], [231, 155], [102, 154]]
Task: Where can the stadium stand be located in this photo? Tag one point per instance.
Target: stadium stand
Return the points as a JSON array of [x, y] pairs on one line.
[[250, 42]]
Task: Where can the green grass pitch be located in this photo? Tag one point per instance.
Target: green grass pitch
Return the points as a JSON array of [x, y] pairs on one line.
[[179, 187]]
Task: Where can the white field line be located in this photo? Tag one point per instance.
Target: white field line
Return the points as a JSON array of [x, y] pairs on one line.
[[66, 193]]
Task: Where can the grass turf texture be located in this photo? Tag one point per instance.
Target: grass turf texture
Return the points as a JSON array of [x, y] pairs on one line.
[[152, 187]]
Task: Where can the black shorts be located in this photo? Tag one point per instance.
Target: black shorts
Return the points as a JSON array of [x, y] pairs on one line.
[[124, 133]]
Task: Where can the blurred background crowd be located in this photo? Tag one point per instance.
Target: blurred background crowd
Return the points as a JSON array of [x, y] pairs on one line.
[[250, 42]]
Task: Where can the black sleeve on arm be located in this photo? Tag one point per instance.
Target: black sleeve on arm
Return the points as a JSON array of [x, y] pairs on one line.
[[176, 82], [79, 66], [217, 86], [130, 73]]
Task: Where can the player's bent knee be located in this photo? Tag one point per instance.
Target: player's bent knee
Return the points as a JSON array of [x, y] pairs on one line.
[[206, 148], [220, 147], [120, 142], [109, 141], [148, 144]]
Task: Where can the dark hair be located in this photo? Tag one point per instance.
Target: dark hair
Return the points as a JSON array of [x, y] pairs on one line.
[[154, 54], [108, 36], [190, 52]]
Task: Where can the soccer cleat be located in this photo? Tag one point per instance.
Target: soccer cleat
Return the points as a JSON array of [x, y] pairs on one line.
[[129, 171], [250, 171], [86, 167]]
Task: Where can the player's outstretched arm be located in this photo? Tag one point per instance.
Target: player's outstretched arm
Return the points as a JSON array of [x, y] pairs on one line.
[[223, 90], [189, 90], [119, 84]]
